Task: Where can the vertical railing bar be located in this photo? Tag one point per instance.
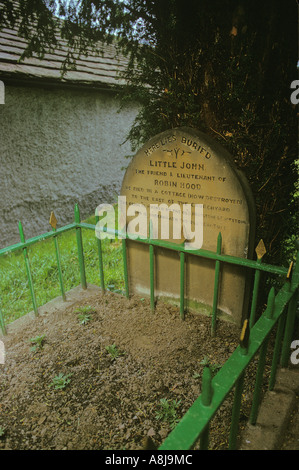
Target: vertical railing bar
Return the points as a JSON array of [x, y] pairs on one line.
[[80, 249], [206, 399], [100, 256], [207, 389], [28, 270], [152, 280], [277, 349], [59, 266], [244, 337], [258, 382], [152, 268], [152, 285], [204, 438], [2, 323], [270, 303], [244, 345], [125, 264], [236, 413], [255, 295], [262, 360], [53, 223], [260, 252], [216, 287], [182, 285]]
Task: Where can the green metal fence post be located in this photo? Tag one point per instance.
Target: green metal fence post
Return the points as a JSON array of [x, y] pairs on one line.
[[277, 349], [258, 383], [80, 248], [124, 250], [255, 295], [262, 360], [244, 337], [260, 251], [236, 413], [206, 400], [100, 255], [182, 285], [216, 286], [53, 223], [204, 438], [152, 268], [244, 344], [207, 389], [28, 270], [2, 323], [270, 303]]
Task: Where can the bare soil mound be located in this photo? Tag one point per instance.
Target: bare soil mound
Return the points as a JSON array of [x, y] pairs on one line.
[[109, 402]]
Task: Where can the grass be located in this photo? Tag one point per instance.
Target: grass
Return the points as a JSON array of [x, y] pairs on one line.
[[15, 299], [37, 342], [84, 314], [113, 352], [167, 411], [60, 381]]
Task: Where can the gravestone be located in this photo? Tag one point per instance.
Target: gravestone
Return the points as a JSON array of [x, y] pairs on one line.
[[182, 167]]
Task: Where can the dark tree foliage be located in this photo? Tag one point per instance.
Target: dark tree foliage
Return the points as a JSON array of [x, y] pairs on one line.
[[221, 66]]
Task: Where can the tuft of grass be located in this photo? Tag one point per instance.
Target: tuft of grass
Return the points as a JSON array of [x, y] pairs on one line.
[[60, 381], [113, 352], [85, 309], [84, 314], [196, 375], [84, 318], [167, 411], [206, 362], [38, 342]]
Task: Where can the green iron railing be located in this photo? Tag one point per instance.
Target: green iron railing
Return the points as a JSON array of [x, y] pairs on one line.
[[281, 311], [195, 423]]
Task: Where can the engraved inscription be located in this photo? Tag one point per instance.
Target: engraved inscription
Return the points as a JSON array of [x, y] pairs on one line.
[[185, 167]]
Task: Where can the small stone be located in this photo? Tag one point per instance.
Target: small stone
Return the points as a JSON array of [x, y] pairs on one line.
[[151, 432], [41, 420]]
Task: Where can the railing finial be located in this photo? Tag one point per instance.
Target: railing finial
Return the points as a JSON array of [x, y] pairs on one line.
[[53, 220], [244, 336], [260, 250]]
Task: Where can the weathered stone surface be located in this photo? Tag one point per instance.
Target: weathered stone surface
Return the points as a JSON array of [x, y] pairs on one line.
[[277, 422], [58, 147], [184, 166]]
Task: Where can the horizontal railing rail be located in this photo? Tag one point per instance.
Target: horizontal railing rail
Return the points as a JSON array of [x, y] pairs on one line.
[[244, 262], [37, 239]]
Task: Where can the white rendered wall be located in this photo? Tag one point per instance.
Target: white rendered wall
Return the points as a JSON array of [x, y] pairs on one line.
[[58, 147]]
